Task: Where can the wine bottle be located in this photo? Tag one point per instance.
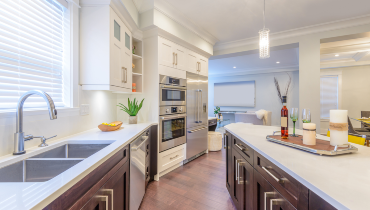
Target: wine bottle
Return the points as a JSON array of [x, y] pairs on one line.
[[284, 120]]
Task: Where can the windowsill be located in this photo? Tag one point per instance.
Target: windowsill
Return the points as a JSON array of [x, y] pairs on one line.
[[32, 112], [325, 120]]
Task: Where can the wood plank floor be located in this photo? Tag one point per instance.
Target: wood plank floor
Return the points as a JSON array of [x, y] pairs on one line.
[[200, 184]]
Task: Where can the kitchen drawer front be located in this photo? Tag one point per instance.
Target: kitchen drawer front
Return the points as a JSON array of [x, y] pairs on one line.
[[171, 157], [246, 151], [290, 188], [212, 122], [266, 197]]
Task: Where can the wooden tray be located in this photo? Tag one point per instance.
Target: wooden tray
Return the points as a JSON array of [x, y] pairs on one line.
[[322, 147]]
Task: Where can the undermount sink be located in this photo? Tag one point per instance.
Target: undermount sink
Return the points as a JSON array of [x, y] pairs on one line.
[[72, 151], [45, 166]]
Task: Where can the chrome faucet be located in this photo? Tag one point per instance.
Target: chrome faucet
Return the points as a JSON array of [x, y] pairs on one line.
[[19, 137]]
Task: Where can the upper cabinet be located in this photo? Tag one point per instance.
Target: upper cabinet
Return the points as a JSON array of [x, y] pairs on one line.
[[178, 57], [105, 50], [172, 55]]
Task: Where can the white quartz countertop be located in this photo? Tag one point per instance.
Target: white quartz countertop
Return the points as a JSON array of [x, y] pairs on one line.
[[37, 195], [211, 118], [343, 180]]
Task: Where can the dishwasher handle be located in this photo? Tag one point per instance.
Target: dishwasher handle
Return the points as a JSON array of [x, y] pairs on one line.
[[137, 147]]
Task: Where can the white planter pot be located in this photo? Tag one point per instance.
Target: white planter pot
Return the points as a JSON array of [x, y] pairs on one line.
[[132, 120]]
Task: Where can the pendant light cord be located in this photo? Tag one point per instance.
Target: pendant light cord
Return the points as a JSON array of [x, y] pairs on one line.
[[264, 13]]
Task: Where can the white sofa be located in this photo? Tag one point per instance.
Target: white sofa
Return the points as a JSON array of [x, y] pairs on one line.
[[251, 117]]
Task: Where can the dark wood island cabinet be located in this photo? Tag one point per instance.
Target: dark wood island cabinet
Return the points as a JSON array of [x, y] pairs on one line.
[[256, 183]]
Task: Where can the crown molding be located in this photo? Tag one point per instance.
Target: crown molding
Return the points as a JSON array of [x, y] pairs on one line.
[[343, 63], [257, 71], [329, 26], [171, 12]]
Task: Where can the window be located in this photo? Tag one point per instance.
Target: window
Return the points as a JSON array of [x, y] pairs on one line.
[[34, 51], [328, 95]]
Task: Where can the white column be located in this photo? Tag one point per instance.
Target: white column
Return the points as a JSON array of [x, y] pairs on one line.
[[309, 78]]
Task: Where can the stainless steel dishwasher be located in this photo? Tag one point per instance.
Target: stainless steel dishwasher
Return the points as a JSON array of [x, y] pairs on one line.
[[137, 171]]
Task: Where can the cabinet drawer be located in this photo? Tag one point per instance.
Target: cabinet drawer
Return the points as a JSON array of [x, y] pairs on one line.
[[171, 157], [243, 149], [290, 188], [267, 197]]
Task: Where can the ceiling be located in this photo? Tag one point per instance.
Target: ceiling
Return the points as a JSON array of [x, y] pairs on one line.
[[355, 51], [251, 63], [230, 20]]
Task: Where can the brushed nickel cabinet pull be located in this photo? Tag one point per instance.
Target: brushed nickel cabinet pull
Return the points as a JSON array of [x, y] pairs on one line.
[[176, 59], [110, 191], [126, 76], [122, 75], [273, 176], [242, 149], [104, 199], [239, 164], [173, 58], [268, 195], [174, 157], [273, 202], [236, 170]]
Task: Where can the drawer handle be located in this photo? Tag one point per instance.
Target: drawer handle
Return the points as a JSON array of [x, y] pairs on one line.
[[273, 202], [274, 177], [242, 149], [268, 195], [239, 164], [103, 199], [174, 157], [110, 191], [137, 147], [237, 169]]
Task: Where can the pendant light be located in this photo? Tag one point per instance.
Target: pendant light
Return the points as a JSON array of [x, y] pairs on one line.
[[264, 38]]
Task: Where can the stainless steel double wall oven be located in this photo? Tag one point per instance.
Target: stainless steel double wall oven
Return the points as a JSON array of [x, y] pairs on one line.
[[172, 112]]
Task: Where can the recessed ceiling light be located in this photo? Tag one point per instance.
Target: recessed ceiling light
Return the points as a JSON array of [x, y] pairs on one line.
[[336, 55], [234, 67], [277, 61]]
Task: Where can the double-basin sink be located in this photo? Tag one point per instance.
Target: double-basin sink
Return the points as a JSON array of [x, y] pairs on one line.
[[50, 163]]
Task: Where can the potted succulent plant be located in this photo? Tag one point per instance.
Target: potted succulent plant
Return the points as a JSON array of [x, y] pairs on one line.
[[132, 110], [216, 111]]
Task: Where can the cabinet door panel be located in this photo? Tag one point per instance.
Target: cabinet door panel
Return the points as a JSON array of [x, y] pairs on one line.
[[192, 60], [166, 53], [203, 65], [117, 51], [229, 162], [266, 197], [116, 189], [180, 61], [246, 182], [236, 193]]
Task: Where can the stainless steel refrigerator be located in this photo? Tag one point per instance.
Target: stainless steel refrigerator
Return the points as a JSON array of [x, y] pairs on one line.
[[196, 114]]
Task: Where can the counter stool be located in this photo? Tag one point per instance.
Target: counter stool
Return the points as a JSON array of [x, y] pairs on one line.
[[214, 141]]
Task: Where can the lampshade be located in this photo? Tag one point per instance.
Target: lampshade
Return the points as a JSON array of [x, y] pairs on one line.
[[264, 43]]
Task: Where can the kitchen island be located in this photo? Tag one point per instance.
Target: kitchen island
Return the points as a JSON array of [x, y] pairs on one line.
[[339, 181]]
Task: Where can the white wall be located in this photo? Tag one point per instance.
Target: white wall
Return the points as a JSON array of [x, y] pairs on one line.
[[266, 96], [102, 109], [355, 92]]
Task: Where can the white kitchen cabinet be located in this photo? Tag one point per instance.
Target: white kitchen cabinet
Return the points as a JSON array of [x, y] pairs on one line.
[[172, 55], [193, 63], [105, 50], [203, 65], [197, 64]]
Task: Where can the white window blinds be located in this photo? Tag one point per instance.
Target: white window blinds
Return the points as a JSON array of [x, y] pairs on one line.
[[328, 95], [32, 51]]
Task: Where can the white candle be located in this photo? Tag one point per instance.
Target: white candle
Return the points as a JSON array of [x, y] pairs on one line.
[[309, 137], [338, 137]]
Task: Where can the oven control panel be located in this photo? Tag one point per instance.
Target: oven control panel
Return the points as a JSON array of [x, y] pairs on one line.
[[165, 110]]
